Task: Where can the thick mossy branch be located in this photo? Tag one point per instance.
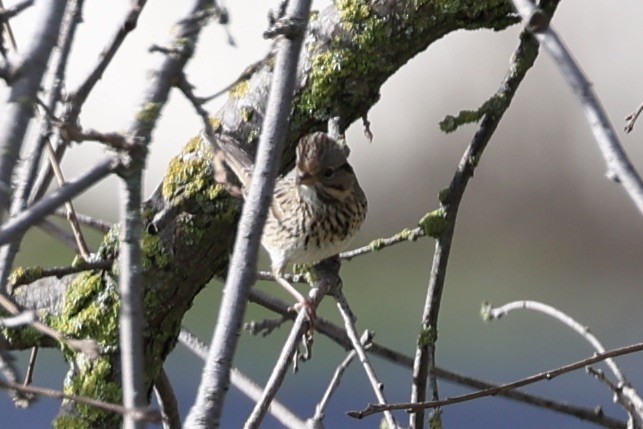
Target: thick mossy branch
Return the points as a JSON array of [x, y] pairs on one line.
[[350, 59], [178, 260], [349, 52]]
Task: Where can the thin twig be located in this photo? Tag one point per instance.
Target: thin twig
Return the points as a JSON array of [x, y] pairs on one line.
[[71, 213], [339, 336], [24, 400], [97, 224], [214, 383], [167, 401], [29, 172], [629, 398], [546, 375], [632, 118], [320, 408], [244, 384], [147, 415], [424, 364], [187, 90], [73, 132], [27, 317], [245, 75], [490, 313], [19, 111], [42, 208], [291, 278], [79, 96], [349, 325], [619, 167], [10, 372], [299, 329], [59, 233], [31, 366], [6, 15]]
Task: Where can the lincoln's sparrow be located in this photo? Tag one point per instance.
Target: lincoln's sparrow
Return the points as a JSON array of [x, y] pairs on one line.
[[316, 208]]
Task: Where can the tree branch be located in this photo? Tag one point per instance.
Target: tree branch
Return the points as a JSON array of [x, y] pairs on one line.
[[22, 98], [30, 170], [215, 379], [32, 215], [547, 375], [131, 294], [442, 223], [619, 167]]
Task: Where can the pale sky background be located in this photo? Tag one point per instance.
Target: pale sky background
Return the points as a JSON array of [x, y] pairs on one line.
[[538, 221]]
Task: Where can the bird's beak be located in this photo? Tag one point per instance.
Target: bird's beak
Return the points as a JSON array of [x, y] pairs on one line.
[[305, 178]]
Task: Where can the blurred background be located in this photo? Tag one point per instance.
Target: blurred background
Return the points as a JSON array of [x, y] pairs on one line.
[[539, 220]]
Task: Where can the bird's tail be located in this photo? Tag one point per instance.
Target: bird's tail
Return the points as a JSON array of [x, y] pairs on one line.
[[228, 153]]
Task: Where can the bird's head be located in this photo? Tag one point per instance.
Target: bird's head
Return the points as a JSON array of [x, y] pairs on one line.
[[323, 163]]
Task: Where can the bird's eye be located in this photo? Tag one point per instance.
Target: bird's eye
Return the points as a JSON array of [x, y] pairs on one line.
[[328, 173]]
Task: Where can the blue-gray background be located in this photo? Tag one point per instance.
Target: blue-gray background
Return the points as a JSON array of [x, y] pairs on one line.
[[539, 220]]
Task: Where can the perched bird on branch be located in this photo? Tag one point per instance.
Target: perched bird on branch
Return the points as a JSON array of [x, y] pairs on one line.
[[316, 208]]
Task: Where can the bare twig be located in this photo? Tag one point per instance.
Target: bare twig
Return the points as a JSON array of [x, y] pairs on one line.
[[244, 384], [215, 378], [42, 208], [490, 313], [547, 375], [10, 372], [79, 96], [628, 398], [71, 213], [245, 74], [5, 16], [292, 278], [619, 167], [338, 335], [98, 224], [187, 90], [148, 415], [31, 366], [73, 132], [19, 111], [167, 401], [59, 233], [27, 317], [334, 381], [29, 172], [24, 400], [326, 280], [442, 222], [632, 118], [349, 324]]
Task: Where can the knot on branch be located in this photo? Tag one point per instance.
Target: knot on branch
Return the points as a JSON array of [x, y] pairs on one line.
[[537, 22], [289, 27]]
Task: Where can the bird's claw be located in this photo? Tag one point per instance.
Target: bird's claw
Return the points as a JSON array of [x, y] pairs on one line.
[[308, 306]]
